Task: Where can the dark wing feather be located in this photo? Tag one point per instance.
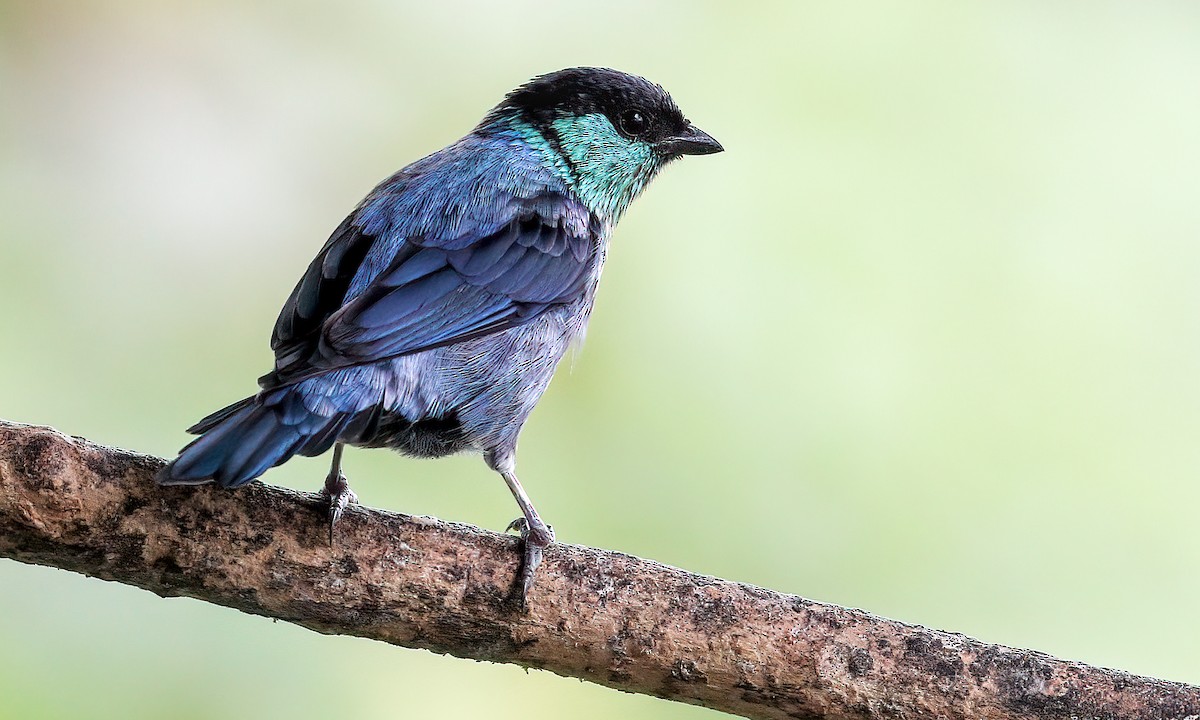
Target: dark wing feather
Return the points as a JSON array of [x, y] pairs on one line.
[[319, 294], [438, 297], [434, 292]]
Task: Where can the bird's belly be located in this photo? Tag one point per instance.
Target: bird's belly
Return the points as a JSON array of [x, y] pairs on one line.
[[474, 395], [426, 438]]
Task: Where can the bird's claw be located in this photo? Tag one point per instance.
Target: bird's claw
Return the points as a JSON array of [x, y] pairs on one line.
[[534, 539], [338, 495]]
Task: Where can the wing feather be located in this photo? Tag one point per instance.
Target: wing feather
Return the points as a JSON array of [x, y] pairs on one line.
[[517, 252]]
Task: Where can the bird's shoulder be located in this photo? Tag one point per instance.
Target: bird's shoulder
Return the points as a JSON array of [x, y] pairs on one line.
[[465, 192]]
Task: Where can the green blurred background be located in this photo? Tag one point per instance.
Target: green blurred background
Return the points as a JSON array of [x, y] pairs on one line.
[[924, 340]]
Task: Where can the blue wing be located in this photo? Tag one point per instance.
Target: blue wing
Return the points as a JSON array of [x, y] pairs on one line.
[[455, 247]]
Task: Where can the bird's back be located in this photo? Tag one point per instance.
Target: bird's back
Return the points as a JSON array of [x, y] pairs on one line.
[[473, 239]]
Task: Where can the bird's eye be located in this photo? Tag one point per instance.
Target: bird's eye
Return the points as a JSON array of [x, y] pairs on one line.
[[633, 123]]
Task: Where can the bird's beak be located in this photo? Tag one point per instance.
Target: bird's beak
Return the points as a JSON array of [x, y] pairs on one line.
[[692, 141]]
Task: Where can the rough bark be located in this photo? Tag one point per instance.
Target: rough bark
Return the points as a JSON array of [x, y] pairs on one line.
[[605, 617]]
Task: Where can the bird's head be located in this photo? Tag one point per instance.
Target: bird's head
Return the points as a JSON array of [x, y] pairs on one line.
[[606, 132]]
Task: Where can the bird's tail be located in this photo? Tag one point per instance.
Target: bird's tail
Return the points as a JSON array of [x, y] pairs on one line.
[[240, 442]]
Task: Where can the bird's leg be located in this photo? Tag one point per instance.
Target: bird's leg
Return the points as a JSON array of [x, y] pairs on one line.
[[337, 490], [535, 533]]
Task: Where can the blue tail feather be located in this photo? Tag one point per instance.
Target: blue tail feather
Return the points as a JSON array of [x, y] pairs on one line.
[[244, 440], [216, 418]]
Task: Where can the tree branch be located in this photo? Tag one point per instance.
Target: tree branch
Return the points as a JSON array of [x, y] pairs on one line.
[[601, 616]]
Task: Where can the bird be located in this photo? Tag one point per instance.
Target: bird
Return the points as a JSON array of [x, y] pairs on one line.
[[434, 316]]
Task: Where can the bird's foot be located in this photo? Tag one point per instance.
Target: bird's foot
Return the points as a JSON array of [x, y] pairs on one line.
[[534, 539], [338, 494]]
